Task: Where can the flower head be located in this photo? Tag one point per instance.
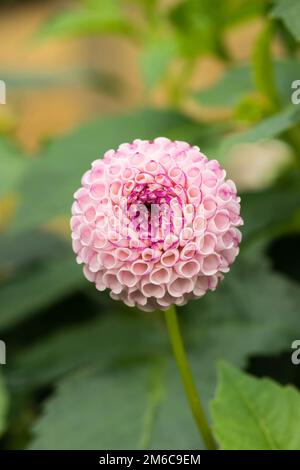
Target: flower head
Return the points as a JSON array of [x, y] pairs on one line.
[[155, 222]]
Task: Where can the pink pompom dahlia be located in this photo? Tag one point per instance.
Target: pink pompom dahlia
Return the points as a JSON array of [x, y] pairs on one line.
[[155, 222]]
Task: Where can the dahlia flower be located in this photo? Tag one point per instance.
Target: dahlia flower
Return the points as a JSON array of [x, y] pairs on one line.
[[156, 223]]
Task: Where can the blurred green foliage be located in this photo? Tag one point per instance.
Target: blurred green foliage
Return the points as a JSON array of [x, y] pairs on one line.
[[92, 17], [238, 81], [3, 404], [261, 407], [288, 11], [102, 373]]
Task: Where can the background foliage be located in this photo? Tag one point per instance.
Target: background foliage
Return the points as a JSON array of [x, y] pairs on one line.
[[84, 372]]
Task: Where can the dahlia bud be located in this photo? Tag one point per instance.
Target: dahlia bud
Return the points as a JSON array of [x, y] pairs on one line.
[[155, 222]]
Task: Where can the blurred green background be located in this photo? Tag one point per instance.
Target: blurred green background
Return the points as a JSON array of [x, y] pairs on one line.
[[85, 372]]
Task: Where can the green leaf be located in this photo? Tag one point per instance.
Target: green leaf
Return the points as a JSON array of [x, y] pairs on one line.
[[253, 305], [23, 249], [285, 72], [229, 89], [119, 411], [175, 426], [12, 164], [105, 345], [31, 290], [288, 11], [92, 18], [155, 60], [237, 82], [266, 129], [114, 409], [101, 342], [50, 181], [3, 405], [255, 414], [265, 211]]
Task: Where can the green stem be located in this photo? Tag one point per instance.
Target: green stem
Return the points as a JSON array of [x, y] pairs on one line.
[[264, 77], [263, 67], [187, 378]]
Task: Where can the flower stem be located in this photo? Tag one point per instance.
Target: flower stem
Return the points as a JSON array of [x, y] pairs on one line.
[[187, 378]]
